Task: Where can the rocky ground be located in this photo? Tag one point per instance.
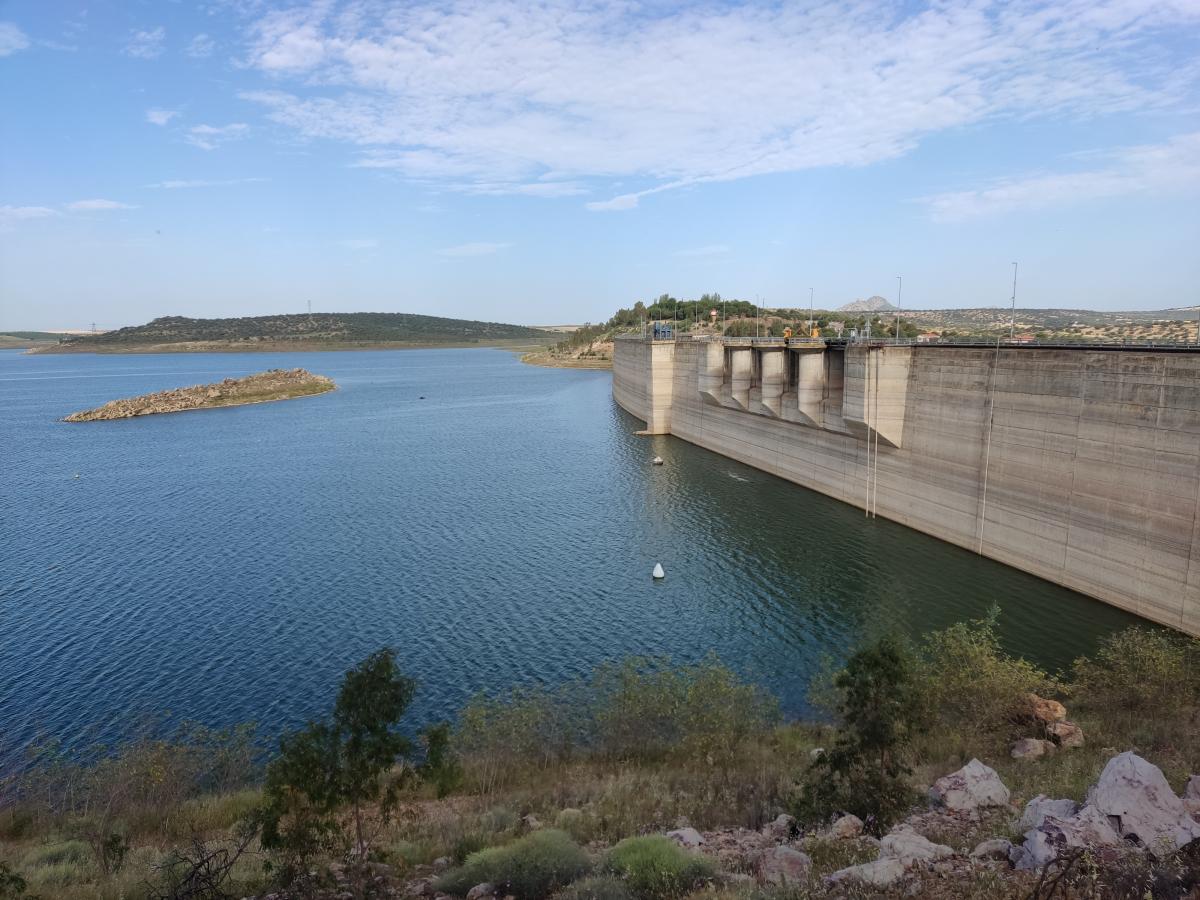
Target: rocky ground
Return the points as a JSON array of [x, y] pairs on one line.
[[275, 384]]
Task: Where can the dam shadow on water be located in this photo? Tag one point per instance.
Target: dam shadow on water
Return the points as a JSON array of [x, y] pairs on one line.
[[496, 523]]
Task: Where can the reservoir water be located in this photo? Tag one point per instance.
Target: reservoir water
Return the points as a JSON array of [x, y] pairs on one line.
[[496, 523]]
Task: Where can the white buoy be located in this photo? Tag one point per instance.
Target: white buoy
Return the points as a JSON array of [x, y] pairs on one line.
[[658, 571], [658, 461]]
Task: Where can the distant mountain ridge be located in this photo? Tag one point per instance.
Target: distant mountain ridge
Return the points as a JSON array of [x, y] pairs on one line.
[[871, 304], [301, 331]]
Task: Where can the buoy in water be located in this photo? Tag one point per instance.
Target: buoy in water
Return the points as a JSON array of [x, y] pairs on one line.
[[658, 571], [658, 460]]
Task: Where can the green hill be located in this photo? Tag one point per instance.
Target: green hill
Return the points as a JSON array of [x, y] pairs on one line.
[[300, 332]]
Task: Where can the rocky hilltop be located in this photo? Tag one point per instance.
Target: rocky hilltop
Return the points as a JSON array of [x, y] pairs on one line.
[[275, 384], [871, 304]]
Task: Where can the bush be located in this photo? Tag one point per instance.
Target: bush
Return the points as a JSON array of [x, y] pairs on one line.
[[1141, 669], [601, 887], [74, 852], [529, 869], [656, 868]]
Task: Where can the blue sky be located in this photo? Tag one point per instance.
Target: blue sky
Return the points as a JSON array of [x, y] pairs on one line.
[[547, 163]]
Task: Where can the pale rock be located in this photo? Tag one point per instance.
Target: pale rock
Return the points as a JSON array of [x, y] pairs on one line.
[[686, 837], [784, 865], [441, 863], [782, 828], [816, 753], [1065, 734], [1192, 790], [996, 848], [486, 889], [1039, 709], [1041, 806], [1087, 828], [906, 845], [971, 787], [1139, 802], [849, 826], [1031, 748], [880, 873], [532, 822]]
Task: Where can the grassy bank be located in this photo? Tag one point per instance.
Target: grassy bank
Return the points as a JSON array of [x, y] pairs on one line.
[[634, 749]]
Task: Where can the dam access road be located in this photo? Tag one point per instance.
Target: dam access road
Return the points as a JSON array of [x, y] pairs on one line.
[[1077, 464]]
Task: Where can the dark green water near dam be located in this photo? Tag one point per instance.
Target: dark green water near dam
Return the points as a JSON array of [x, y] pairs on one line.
[[228, 565]]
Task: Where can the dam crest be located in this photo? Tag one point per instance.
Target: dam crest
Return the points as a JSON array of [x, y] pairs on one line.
[[1080, 465]]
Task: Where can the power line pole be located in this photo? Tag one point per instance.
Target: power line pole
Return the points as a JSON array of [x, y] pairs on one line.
[[899, 290], [810, 312], [1012, 325]]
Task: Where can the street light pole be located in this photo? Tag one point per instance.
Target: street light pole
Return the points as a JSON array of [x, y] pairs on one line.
[[1012, 325], [899, 291], [810, 313]]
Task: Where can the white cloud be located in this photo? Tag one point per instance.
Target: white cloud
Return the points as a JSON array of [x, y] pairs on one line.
[[160, 116], [359, 243], [210, 137], [20, 213], [502, 97], [12, 39], [710, 250], [97, 205], [1154, 168], [178, 183], [146, 44], [479, 248], [201, 46]]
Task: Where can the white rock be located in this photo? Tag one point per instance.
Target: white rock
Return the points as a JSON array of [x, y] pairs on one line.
[[1087, 828], [780, 829], [686, 837], [1141, 805], [996, 848], [480, 891], [784, 865], [971, 787], [881, 873], [1192, 790], [909, 846], [816, 753], [1041, 806], [847, 827]]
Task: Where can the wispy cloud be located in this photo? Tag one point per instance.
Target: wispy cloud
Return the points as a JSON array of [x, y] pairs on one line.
[[201, 47], [179, 183], [479, 248], [210, 137], [20, 213], [1154, 168], [97, 205], [710, 250], [12, 39], [484, 100], [359, 243], [160, 116], [146, 44]]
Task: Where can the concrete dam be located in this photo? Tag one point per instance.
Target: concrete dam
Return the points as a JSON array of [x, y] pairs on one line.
[[1077, 464]]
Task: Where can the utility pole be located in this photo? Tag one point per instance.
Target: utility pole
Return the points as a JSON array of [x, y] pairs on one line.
[[1012, 325], [810, 312], [899, 290]]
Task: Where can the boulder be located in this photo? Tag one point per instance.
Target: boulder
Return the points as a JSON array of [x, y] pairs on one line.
[[784, 865], [906, 845], [531, 822], [1031, 748], [480, 891], [1087, 828], [881, 873], [996, 848], [781, 829], [1191, 795], [816, 753], [1043, 711], [1141, 806], [442, 863], [971, 787], [1041, 806], [686, 837], [847, 827], [1065, 734]]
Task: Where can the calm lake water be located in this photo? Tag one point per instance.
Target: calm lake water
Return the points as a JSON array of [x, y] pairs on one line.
[[229, 565]]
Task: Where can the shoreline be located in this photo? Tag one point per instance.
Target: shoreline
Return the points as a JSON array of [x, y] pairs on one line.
[[271, 347], [546, 361]]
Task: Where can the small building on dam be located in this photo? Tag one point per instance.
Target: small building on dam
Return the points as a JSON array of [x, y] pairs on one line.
[[1077, 464]]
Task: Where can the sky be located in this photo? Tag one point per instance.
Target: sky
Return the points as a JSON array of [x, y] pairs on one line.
[[547, 162]]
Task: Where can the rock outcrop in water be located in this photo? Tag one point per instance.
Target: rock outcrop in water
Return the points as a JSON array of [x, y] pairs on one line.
[[275, 384]]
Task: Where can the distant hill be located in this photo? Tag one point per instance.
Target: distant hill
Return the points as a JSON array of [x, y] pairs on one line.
[[298, 332], [871, 304]]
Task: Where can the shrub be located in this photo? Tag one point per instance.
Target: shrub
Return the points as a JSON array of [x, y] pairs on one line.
[[1141, 669], [12, 885], [529, 869], [600, 887], [656, 868], [74, 852]]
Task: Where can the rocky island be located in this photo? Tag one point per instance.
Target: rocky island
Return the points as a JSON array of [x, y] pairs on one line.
[[275, 384]]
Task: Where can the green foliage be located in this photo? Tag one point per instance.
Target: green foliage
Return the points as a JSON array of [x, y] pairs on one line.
[[1141, 669], [441, 767], [332, 764], [866, 771], [12, 885], [599, 887], [969, 682], [657, 868], [74, 852], [529, 869]]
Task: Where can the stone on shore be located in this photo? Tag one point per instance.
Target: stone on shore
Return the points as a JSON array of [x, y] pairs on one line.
[[784, 865], [849, 826], [1141, 806], [1043, 711], [1065, 734], [1041, 806], [1031, 748], [905, 844], [1088, 828], [881, 873], [686, 837], [971, 787], [486, 889], [996, 848]]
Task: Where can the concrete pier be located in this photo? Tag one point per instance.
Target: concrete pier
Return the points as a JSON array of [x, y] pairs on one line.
[[1080, 465]]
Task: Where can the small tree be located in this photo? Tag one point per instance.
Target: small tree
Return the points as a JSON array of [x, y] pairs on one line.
[[865, 773], [328, 766]]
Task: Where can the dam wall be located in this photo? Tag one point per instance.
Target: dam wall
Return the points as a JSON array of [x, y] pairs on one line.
[[1081, 466]]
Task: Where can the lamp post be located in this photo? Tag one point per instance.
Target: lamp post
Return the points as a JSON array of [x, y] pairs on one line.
[[899, 290], [810, 313], [1012, 324]]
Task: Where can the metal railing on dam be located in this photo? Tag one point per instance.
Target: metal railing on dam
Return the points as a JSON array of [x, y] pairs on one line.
[[1076, 462], [1004, 343]]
